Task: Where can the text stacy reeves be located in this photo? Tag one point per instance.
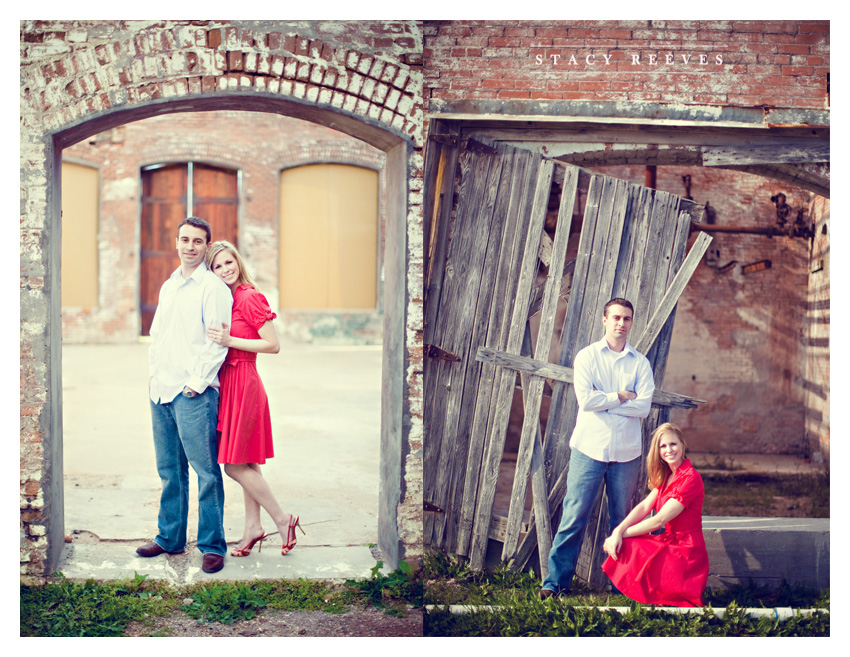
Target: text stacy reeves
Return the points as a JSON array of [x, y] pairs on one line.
[[637, 59]]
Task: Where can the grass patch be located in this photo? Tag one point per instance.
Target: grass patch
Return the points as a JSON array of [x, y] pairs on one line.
[[61, 607], [90, 608], [224, 603], [557, 619], [387, 591], [521, 612]]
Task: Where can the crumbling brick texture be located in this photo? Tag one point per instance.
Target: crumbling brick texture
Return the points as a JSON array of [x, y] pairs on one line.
[[78, 74]]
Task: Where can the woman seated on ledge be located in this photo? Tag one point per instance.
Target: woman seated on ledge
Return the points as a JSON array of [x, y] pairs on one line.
[[669, 568]]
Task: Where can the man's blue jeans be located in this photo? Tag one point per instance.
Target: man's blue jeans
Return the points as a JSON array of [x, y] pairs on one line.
[[584, 479], [184, 433]]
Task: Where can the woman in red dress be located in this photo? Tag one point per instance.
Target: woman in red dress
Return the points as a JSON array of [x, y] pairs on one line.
[[669, 568], [244, 422]]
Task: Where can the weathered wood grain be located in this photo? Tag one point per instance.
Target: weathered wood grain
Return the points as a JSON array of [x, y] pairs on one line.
[[519, 197], [444, 379], [718, 156], [440, 167], [495, 446], [480, 294], [533, 386]]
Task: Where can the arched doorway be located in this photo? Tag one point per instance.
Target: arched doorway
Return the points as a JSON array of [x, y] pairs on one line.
[[394, 302]]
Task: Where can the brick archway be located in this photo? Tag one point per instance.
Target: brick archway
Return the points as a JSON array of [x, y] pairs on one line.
[[81, 77]]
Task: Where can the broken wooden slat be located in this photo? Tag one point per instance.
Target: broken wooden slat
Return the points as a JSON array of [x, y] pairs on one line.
[[473, 145], [564, 405], [671, 296], [490, 467], [439, 176], [534, 385], [540, 494], [563, 293], [499, 525], [564, 374], [545, 250]]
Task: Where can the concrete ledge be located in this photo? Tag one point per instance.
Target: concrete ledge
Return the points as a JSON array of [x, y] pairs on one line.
[[118, 560], [766, 551]]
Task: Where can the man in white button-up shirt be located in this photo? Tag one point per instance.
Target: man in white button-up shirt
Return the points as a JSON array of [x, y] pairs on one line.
[[183, 394], [614, 386]]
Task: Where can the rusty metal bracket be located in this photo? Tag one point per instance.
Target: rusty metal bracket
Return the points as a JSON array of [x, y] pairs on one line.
[[761, 265], [446, 140], [435, 352], [429, 506]]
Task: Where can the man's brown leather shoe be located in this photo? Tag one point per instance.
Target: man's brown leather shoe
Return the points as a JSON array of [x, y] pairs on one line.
[[150, 550], [546, 593], [213, 562]]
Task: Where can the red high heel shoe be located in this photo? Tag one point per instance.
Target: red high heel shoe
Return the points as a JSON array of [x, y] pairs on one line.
[[290, 535], [245, 551]]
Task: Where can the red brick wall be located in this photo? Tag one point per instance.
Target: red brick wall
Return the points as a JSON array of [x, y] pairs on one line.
[[259, 145], [770, 63]]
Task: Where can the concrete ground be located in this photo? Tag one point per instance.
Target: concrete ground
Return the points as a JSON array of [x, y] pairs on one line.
[[325, 409]]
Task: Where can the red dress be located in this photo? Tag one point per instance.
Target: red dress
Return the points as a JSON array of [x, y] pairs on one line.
[[669, 568], [244, 421]]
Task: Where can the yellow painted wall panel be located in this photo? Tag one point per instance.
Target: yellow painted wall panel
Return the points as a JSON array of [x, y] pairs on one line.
[[79, 235], [328, 237]]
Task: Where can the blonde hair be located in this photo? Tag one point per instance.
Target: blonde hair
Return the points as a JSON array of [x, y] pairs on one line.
[[224, 245], [657, 469]]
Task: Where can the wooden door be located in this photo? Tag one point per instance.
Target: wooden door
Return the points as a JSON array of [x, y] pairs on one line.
[[215, 198], [479, 302], [165, 196]]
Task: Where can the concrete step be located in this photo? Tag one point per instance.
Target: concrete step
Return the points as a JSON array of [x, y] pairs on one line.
[[766, 551]]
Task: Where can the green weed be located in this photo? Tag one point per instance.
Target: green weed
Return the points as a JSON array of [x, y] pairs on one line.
[[401, 585], [303, 594], [224, 603], [67, 608], [555, 618], [60, 607]]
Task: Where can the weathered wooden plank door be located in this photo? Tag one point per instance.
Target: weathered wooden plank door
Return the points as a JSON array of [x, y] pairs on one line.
[[165, 196], [477, 288], [632, 243]]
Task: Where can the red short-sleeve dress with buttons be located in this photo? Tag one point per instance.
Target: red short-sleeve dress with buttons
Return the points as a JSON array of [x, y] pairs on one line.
[[669, 568], [244, 421]]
